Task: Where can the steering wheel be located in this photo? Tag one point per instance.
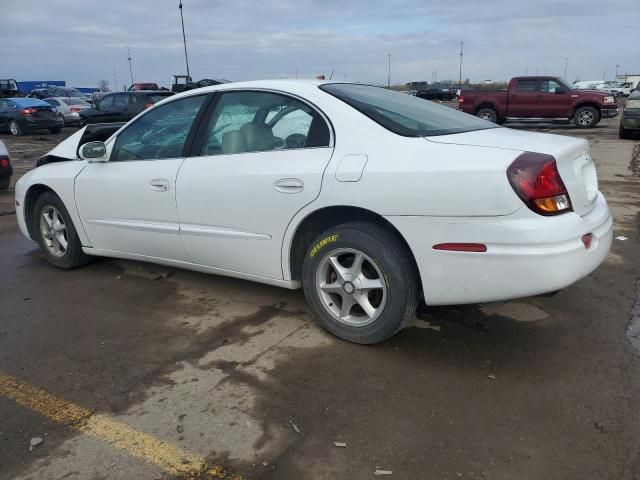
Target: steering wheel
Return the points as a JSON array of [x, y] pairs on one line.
[[295, 140]]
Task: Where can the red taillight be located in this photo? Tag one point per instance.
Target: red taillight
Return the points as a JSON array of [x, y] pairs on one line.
[[148, 105], [4, 162], [461, 247], [535, 178], [75, 109], [27, 111], [460, 99]]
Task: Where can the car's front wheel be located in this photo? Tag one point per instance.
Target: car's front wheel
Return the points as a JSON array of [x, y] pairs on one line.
[[360, 281], [586, 117], [56, 234]]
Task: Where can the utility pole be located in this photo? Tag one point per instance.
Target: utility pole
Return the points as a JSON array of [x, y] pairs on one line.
[[389, 71], [130, 68], [115, 78], [566, 64], [184, 38], [460, 77]]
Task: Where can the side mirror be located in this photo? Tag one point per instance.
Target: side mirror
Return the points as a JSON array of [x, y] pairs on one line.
[[94, 151]]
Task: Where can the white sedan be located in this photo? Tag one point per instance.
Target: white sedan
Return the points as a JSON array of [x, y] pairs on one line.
[[369, 199]]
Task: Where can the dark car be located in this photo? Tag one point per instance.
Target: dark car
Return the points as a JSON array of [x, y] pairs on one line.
[[6, 170], [436, 94], [121, 106], [20, 115], [630, 121], [49, 92], [9, 88]]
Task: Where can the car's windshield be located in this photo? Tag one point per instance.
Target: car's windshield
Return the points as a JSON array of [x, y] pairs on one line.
[[405, 114]]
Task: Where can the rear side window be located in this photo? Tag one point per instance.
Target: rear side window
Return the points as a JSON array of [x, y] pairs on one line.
[[156, 97], [527, 86], [405, 114]]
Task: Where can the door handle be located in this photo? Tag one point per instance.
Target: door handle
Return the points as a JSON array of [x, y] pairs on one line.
[[159, 184], [289, 185]]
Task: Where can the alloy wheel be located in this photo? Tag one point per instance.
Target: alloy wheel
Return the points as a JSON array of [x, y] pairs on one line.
[[585, 118], [53, 231], [351, 287]]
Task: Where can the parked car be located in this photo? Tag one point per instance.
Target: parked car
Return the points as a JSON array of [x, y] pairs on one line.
[[143, 86], [539, 99], [630, 120], [290, 183], [436, 94], [6, 169], [120, 107], [21, 115], [69, 108], [9, 89], [53, 91]]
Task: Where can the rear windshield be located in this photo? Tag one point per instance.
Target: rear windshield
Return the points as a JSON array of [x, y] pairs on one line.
[[74, 101], [156, 97], [405, 114]]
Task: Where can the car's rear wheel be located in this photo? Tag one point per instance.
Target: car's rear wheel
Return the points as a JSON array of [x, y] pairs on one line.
[[586, 117], [4, 183], [488, 114], [360, 282], [56, 233], [15, 128], [623, 133]]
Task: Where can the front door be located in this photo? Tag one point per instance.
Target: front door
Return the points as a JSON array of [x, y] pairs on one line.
[[554, 100], [261, 160], [128, 204]]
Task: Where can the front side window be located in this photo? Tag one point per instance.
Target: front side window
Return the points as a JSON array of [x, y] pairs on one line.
[[160, 133], [106, 102], [405, 114], [550, 86], [120, 100], [263, 121]]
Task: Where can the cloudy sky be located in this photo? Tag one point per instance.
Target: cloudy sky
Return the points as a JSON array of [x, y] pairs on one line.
[[82, 41]]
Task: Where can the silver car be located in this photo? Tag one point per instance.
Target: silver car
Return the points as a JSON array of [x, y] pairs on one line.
[[70, 108]]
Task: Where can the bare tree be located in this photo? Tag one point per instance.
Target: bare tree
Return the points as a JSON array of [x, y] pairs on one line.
[[103, 85]]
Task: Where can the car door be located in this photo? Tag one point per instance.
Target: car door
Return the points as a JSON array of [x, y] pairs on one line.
[[104, 110], [523, 99], [259, 161], [554, 100], [127, 204], [6, 107]]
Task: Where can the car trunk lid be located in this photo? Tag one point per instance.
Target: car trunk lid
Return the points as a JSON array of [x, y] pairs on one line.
[[572, 156]]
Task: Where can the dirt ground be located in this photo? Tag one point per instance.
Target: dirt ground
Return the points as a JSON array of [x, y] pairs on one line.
[[235, 376]]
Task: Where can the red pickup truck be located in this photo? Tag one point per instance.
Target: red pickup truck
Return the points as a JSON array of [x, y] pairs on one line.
[[539, 99]]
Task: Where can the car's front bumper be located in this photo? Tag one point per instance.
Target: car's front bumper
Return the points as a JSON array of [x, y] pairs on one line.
[[527, 254], [630, 121], [609, 111]]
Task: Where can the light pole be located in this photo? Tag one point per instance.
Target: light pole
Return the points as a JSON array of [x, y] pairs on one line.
[[130, 67], [566, 64], [184, 38], [617, 67], [389, 71], [460, 76]]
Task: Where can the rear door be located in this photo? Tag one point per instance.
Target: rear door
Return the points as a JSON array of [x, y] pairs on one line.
[[523, 99], [260, 160], [6, 108]]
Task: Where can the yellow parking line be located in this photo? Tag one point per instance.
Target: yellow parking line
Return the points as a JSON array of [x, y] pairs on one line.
[[117, 434]]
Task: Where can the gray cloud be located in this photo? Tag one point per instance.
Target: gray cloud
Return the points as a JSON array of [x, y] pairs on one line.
[[82, 41]]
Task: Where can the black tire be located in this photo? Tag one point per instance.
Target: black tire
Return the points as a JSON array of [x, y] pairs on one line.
[[4, 183], [73, 255], [399, 277], [15, 128], [586, 117], [488, 113], [623, 133], [55, 130]]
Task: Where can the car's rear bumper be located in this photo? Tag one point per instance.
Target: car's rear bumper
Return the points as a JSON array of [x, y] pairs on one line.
[[609, 112], [630, 121], [526, 255], [6, 172], [41, 124]]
